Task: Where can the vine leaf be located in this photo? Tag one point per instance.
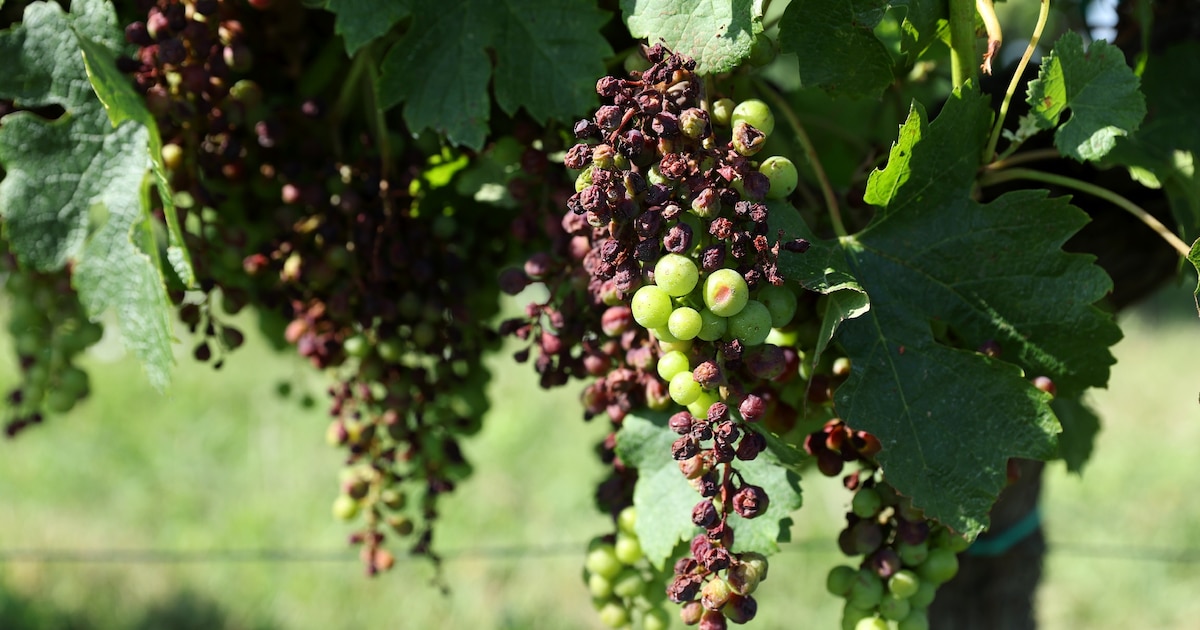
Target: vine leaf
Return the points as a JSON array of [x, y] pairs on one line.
[[836, 45], [664, 499], [923, 24], [544, 53], [122, 103], [361, 22], [1080, 424], [717, 34], [820, 269], [1097, 86], [1163, 152], [934, 259], [81, 197]]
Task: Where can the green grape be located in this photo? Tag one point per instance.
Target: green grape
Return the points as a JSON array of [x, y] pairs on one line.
[[866, 503], [675, 274], [904, 584], [602, 560], [763, 51], [73, 381], [357, 346], [672, 363], [924, 595], [684, 389], [599, 586], [755, 113], [912, 555], [699, 407], [584, 179], [781, 302], [722, 112], [871, 623], [613, 615], [782, 338], [712, 326], [852, 614], [940, 566], [894, 608], [685, 323], [345, 507], [628, 584], [952, 541], [675, 346], [60, 401], [656, 619], [627, 549], [390, 350], [782, 175], [627, 519], [840, 579], [651, 306], [867, 589], [726, 293], [751, 324], [916, 620]]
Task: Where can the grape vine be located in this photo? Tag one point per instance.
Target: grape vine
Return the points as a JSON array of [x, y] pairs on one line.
[[751, 286]]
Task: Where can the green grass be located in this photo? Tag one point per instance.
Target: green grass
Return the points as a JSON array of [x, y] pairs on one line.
[[221, 462]]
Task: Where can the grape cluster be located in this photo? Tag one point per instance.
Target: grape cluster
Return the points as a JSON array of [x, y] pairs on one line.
[[905, 557], [623, 585], [49, 330], [673, 277], [334, 228]]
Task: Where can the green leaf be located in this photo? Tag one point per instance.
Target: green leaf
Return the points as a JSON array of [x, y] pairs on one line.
[[74, 189], [717, 34], [1080, 424], [547, 58], [361, 22], [1164, 150], [923, 23], [122, 103], [820, 269], [837, 47], [948, 418], [1099, 89], [664, 498]]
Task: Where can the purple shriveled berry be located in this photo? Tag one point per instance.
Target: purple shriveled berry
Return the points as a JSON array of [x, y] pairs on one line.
[[585, 129], [708, 374], [718, 412], [701, 431], [683, 588], [513, 281], [616, 320], [712, 620], [752, 408], [678, 238], [684, 448], [704, 514], [137, 34], [578, 156], [538, 265], [740, 609], [751, 445], [750, 501], [798, 245], [681, 423], [885, 562]]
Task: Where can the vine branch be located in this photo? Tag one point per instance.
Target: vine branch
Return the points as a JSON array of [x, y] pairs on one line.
[[810, 152], [962, 41], [1011, 174]]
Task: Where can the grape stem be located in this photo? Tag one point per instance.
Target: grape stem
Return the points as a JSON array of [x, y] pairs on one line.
[[962, 41], [1021, 158], [810, 151], [990, 152], [1011, 174]]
